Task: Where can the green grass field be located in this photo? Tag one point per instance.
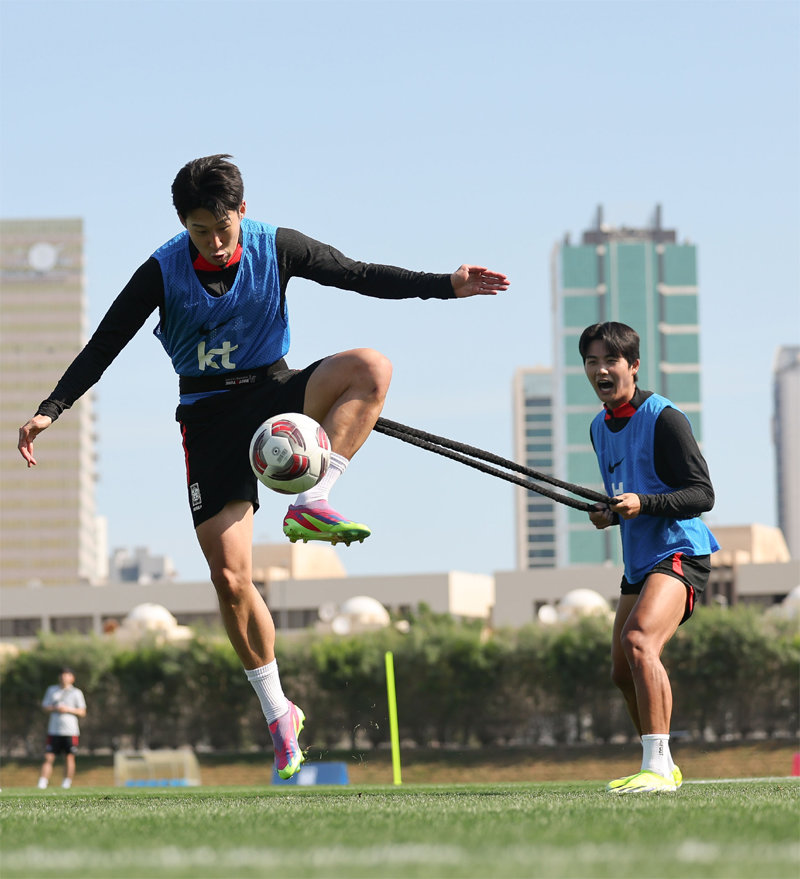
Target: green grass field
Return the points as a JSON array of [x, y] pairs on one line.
[[725, 830]]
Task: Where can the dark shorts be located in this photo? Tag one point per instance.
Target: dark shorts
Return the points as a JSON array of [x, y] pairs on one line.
[[217, 431], [692, 571], [61, 745]]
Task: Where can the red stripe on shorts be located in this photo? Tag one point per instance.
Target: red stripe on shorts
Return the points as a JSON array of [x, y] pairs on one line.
[[185, 451], [677, 565]]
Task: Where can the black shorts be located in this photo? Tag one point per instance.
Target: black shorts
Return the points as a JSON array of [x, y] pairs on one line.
[[61, 745], [691, 570], [217, 431]]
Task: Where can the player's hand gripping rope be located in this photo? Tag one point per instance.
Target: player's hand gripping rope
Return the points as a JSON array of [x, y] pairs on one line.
[[466, 455]]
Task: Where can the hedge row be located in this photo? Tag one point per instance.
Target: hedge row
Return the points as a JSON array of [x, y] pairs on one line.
[[734, 673]]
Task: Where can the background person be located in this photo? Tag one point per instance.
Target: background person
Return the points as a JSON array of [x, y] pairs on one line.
[[220, 290], [65, 703], [653, 468]]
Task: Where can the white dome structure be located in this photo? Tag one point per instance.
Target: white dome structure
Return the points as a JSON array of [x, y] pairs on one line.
[[582, 602], [789, 608], [547, 614], [366, 610], [151, 620], [357, 614], [151, 616]]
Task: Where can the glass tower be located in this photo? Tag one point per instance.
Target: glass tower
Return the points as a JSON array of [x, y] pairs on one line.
[[642, 277]]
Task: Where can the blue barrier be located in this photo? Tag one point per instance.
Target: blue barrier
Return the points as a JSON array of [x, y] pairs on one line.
[[159, 782], [315, 773]]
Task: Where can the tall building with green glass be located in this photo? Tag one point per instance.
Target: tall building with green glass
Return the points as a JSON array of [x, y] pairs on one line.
[[642, 277]]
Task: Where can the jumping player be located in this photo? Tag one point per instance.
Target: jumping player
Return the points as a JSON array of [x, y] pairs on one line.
[[220, 290], [659, 480]]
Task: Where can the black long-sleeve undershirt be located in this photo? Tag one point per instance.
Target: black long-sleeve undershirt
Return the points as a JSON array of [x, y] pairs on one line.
[[678, 463], [298, 256]]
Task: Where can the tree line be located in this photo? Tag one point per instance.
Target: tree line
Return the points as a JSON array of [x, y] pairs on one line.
[[734, 673]]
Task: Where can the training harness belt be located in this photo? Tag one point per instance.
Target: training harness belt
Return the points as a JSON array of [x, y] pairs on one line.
[[198, 384]]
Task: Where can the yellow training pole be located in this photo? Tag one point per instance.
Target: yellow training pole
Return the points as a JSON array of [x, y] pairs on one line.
[[392, 694]]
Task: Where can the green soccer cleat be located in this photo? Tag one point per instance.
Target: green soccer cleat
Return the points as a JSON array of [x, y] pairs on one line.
[[319, 521], [677, 777], [644, 782]]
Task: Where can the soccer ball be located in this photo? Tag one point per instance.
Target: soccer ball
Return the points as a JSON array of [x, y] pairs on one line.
[[290, 453]]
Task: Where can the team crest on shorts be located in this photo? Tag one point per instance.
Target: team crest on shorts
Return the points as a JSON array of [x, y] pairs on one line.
[[194, 494]]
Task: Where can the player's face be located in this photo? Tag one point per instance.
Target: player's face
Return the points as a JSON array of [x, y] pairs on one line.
[[612, 377], [215, 238]]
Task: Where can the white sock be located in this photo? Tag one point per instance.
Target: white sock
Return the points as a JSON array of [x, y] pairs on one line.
[[67, 782], [267, 683], [656, 756], [321, 490], [42, 783]]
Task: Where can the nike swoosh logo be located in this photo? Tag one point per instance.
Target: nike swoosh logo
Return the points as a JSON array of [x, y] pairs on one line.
[[613, 467]]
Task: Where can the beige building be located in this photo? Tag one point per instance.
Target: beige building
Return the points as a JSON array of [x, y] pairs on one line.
[[753, 567], [302, 584], [48, 529], [305, 584]]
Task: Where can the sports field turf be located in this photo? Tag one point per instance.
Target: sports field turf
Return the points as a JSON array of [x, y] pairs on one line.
[[745, 829]]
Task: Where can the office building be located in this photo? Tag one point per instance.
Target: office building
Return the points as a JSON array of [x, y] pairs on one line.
[[48, 528], [786, 437], [533, 447], [139, 566], [642, 277]]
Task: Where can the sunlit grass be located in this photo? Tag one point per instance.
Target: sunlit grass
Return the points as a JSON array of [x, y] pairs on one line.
[[742, 829]]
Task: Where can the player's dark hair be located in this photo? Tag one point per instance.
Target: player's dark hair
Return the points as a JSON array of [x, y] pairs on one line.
[[620, 339], [212, 183]]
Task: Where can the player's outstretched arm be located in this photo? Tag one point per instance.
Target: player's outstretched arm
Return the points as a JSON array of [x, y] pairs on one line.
[[477, 281], [28, 433]]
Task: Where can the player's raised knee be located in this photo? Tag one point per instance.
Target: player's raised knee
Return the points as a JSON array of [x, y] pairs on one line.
[[372, 368]]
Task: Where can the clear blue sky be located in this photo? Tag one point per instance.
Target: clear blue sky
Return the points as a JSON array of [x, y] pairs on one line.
[[425, 135]]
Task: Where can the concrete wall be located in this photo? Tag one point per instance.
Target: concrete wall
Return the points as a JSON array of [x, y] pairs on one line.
[[460, 594], [772, 579], [509, 598], [518, 594]]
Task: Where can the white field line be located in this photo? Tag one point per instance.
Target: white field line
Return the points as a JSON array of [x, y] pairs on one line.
[[795, 778]]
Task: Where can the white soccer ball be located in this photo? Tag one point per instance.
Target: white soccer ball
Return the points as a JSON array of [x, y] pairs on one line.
[[290, 453]]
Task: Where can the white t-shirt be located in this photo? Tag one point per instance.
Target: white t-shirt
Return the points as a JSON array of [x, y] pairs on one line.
[[63, 724]]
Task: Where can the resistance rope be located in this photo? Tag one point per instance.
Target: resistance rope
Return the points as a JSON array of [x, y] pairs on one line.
[[467, 454]]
